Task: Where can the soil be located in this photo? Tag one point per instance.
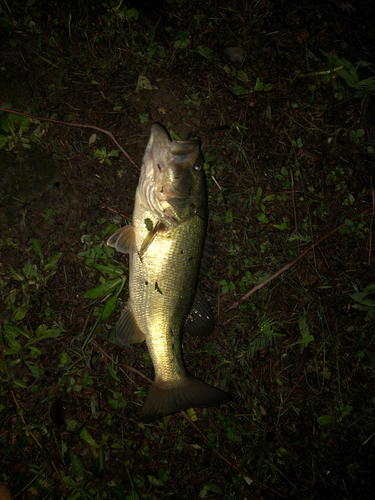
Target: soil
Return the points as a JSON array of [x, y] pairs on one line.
[[289, 147]]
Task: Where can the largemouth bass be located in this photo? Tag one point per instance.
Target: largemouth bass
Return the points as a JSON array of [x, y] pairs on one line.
[[165, 245]]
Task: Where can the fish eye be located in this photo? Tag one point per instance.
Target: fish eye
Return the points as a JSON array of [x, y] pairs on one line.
[[197, 168]]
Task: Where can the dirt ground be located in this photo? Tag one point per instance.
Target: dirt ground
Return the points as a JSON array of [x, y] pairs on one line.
[[281, 96]]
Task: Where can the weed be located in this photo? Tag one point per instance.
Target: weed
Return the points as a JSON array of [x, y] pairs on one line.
[[14, 127], [348, 72], [353, 230], [183, 39], [103, 156], [258, 86], [357, 134], [366, 302], [31, 279], [112, 280], [227, 286], [265, 337], [143, 118]]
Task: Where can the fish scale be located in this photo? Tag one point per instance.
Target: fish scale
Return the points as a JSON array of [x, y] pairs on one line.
[[176, 275]]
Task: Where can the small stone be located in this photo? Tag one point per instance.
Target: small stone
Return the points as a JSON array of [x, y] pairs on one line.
[[234, 54]]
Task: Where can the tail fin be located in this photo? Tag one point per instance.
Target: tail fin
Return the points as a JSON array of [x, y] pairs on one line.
[[164, 399]]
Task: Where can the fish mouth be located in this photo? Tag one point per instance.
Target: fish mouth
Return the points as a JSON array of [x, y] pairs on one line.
[[162, 152], [169, 183]]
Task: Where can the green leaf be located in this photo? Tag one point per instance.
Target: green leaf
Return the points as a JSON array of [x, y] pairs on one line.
[[303, 327], [113, 403], [109, 308], [103, 289], [132, 14], [143, 117], [149, 224], [52, 262], [77, 466], [181, 44], [282, 226], [262, 217], [229, 216], [367, 297], [43, 332], [16, 330], [326, 420], [242, 75], [37, 247], [86, 436], [21, 384], [113, 373], [239, 90], [14, 345], [3, 141], [204, 51], [110, 229], [21, 311], [308, 339], [345, 410], [68, 481], [360, 132], [154, 481], [109, 269]]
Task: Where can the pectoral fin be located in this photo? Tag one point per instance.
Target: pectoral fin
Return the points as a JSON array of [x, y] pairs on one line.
[[127, 329], [123, 240], [200, 320]]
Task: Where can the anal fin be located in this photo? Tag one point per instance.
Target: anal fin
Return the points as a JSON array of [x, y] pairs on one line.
[[127, 329]]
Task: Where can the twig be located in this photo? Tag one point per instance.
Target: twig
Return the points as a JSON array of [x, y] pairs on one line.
[[320, 130], [24, 422], [236, 209], [372, 220], [75, 125], [114, 211], [134, 370], [294, 207], [291, 264]]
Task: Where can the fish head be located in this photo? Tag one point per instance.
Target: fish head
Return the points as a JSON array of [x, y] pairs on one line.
[[172, 182]]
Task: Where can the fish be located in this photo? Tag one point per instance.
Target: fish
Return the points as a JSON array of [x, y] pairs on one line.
[[167, 254]]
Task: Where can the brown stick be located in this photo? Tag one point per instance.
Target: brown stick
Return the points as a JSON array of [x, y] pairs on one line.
[[134, 370], [24, 422], [291, 264], [75, 125], [114, 211]]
